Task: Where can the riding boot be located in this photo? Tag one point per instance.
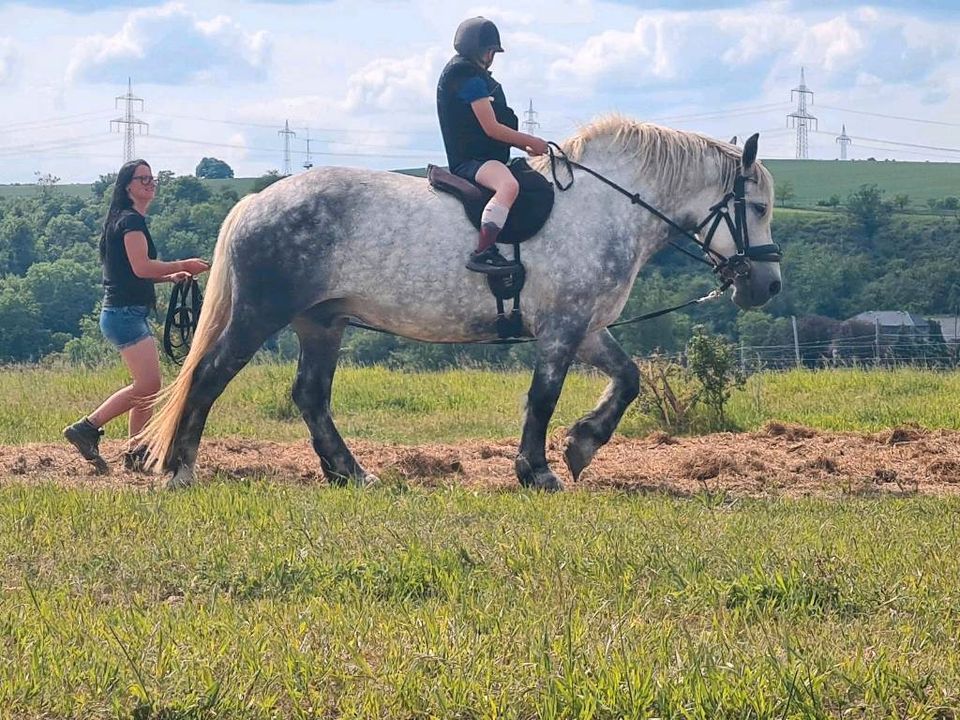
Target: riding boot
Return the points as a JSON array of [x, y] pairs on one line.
[[85, 437]]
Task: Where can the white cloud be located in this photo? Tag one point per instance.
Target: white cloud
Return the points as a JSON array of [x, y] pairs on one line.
[[662, 48], [171, 45], [832, 45], [8, 60], [392, 84], [700, 53]]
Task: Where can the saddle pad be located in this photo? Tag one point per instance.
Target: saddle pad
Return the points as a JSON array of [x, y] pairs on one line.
[[529, 212]]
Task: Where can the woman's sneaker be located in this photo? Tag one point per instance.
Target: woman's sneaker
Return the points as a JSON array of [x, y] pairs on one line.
[[85, 437], [136, 460]]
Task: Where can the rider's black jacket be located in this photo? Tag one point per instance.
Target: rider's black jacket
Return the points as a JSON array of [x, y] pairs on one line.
[[463, 137]]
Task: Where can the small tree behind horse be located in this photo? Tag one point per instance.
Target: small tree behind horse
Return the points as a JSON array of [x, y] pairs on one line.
[[323, 247]]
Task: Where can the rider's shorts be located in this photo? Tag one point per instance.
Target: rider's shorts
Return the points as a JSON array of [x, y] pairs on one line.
[[468, 169]]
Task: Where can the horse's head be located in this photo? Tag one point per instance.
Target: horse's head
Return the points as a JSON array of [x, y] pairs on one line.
[[682, 172], [738, 236]]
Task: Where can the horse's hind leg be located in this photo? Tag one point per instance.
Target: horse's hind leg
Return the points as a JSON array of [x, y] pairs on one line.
[[319, 350], [554, 354], [227, 356], [594, 429]]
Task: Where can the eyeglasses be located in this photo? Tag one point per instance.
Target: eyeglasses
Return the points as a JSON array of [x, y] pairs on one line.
[[145, 179]]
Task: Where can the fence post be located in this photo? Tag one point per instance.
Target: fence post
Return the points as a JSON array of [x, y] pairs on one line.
[[876, 339], [796, 340]]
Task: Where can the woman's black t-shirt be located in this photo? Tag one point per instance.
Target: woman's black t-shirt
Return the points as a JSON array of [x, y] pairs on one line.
[[120, 285]]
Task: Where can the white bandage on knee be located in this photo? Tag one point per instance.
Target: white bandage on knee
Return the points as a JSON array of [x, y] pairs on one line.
[[494, 214]]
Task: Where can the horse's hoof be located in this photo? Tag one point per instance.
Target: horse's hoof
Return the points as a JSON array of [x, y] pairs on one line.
[[545, 480], [182, 478], [579, 449], [576, 457], [360, 480], [536, 478]]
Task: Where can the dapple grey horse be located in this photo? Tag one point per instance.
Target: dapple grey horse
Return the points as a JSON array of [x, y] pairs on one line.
[[323, 247]]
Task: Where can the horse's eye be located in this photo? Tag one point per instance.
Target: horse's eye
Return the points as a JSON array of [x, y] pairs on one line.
[[759, 208]]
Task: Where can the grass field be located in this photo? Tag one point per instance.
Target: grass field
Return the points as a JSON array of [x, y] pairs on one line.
[[256, 599], [275, 601], [391, 406]]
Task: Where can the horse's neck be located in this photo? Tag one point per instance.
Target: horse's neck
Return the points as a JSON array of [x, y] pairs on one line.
[[684, 202]]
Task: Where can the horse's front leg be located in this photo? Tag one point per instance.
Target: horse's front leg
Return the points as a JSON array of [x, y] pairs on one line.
[[555, 352], [594, 429]]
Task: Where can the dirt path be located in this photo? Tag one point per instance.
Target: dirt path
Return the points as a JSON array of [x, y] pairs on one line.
[[779, 460]]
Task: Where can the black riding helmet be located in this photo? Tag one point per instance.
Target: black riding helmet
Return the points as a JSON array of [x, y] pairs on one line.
[[475, 36]]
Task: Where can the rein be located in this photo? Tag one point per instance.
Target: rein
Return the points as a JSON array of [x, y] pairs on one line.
[[183, 314], [727, 268]]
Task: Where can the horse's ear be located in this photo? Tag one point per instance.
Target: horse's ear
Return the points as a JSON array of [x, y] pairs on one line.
[[749, 152], [733, 140]]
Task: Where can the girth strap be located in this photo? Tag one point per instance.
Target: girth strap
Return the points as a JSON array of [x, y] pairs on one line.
[[506, 287]]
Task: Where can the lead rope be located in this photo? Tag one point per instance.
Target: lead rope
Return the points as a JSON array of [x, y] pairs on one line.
[[183, 314]]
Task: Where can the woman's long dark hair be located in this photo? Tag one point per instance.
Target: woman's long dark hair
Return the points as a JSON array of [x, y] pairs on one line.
[[119, 201]]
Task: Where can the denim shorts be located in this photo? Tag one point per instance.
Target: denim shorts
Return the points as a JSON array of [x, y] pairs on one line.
[[125, 326], [468, 169]]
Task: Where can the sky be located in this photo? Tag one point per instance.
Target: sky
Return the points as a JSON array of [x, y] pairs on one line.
[[355, 80]]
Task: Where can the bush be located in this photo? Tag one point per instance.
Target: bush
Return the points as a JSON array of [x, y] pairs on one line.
[[712, 361]]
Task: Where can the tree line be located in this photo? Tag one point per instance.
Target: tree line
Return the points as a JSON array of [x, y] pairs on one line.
[[865, 257]]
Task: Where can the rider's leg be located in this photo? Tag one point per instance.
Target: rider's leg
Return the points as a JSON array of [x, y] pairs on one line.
[[494, 175]]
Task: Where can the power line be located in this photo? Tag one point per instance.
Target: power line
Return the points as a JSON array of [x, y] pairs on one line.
[[730, 112], [248, 148], [48, 146], [265, 126], [896, 142], [63, 120], [917, 153], [892, 117]]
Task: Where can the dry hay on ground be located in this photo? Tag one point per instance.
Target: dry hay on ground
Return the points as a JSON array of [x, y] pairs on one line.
[[778, 460]]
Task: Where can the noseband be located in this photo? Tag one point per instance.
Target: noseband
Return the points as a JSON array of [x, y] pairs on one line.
[[728, 268]]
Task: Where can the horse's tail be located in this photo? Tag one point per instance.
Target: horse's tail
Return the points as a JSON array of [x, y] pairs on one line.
[[160, 431]]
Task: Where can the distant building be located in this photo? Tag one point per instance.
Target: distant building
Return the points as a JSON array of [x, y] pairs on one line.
[[949, 326], [893, 324]]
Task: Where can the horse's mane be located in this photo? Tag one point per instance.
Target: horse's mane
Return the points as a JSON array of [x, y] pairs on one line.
[[658, 150]]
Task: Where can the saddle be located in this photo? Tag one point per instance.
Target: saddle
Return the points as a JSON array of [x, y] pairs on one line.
[[527, 216], [529, 212]]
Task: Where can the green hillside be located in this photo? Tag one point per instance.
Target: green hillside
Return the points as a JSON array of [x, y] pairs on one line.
[[812, 180], [239, 185]]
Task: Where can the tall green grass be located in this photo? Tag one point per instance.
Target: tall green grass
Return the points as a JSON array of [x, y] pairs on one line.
[[254, 600], [393, 406]]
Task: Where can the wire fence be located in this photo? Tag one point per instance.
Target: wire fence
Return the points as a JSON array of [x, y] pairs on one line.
[[858, 351], [873, 350]]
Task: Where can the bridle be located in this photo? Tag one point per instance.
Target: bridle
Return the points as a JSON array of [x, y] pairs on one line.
[[729, 269]]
